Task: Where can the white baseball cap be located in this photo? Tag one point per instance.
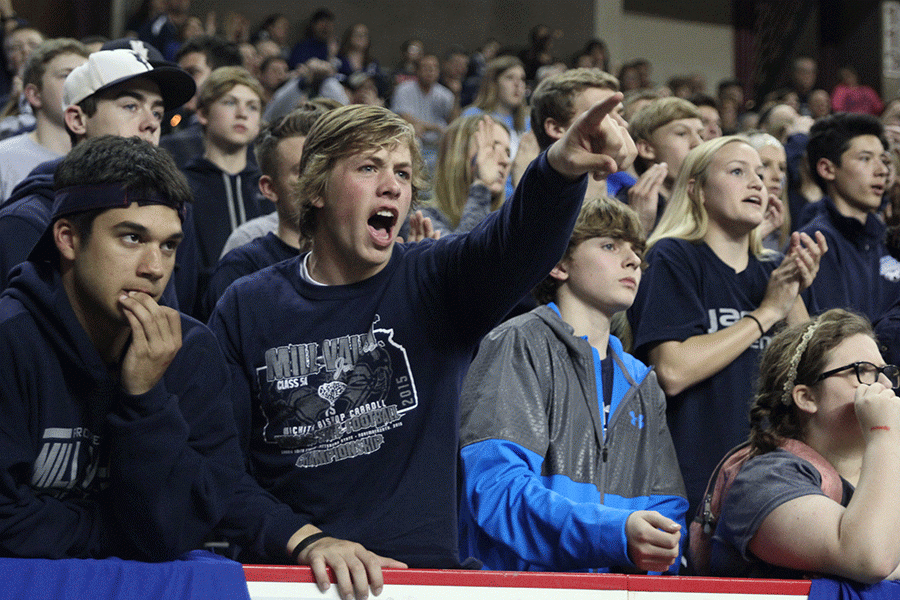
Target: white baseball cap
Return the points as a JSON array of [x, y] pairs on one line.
[[107, 68]]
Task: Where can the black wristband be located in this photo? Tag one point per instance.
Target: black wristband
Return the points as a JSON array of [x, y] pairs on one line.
[[758, 324], [305, 543]]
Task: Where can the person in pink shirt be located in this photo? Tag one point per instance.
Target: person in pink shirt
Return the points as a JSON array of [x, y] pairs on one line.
[[850, 96]]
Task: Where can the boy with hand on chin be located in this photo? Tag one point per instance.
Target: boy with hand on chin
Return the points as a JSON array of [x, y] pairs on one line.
[[347, 361], [117, 437]]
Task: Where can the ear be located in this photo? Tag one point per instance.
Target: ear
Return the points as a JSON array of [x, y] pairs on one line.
[[826, 169], [561, 271], [804, 399], [33, 96], [202, 118], [693, 188], [267, 189], [553, 129], [317, 202], [645, 149], [76, 120], [66, 238]]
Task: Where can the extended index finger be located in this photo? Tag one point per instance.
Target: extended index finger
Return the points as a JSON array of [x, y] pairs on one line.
[[596, 113]]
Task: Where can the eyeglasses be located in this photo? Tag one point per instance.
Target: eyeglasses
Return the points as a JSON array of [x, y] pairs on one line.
[[866, 373]]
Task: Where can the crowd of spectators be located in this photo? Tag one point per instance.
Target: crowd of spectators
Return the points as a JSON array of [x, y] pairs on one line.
[[714, 234]]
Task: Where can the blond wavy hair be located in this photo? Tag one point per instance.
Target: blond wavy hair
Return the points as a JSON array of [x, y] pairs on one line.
[[343, 132], [453, 174]]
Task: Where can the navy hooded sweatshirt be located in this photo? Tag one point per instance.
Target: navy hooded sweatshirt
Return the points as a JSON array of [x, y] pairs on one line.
[[25, 215], [222, 202], [88, 471]]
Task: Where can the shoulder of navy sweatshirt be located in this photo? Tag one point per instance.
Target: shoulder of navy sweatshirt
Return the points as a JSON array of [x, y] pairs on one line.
[[251, 257], [858, 271], [24, 216]]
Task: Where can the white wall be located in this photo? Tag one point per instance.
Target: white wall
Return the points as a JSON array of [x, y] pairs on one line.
[[679, 47]]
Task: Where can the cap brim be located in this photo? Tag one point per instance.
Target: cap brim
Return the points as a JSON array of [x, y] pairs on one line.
[[175, 85]]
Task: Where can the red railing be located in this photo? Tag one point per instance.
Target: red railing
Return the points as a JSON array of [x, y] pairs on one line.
[[414, 584]]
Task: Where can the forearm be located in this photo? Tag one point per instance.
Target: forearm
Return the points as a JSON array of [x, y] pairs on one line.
[[513, 248], [300, 535], [40, 526], [667, 494], [647, 217], [680, 365], [798, 313], [511, 504], [868, 530], [176, 459], [477, 207], [261, 524], [173, 482], [421, 125], [527, 152]]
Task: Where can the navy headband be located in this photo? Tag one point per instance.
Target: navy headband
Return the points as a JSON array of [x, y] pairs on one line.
[[82, 198]]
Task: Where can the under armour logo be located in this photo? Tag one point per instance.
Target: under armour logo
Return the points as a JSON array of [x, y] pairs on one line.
[[636, 420]]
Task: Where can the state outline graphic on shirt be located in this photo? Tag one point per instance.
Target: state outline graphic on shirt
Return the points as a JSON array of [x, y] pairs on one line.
[[332, 400]]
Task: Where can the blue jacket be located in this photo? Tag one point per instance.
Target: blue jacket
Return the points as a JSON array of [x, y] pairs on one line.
[[548, 484]]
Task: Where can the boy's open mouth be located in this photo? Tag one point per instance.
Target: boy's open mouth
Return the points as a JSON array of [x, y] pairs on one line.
[[381, 224]]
